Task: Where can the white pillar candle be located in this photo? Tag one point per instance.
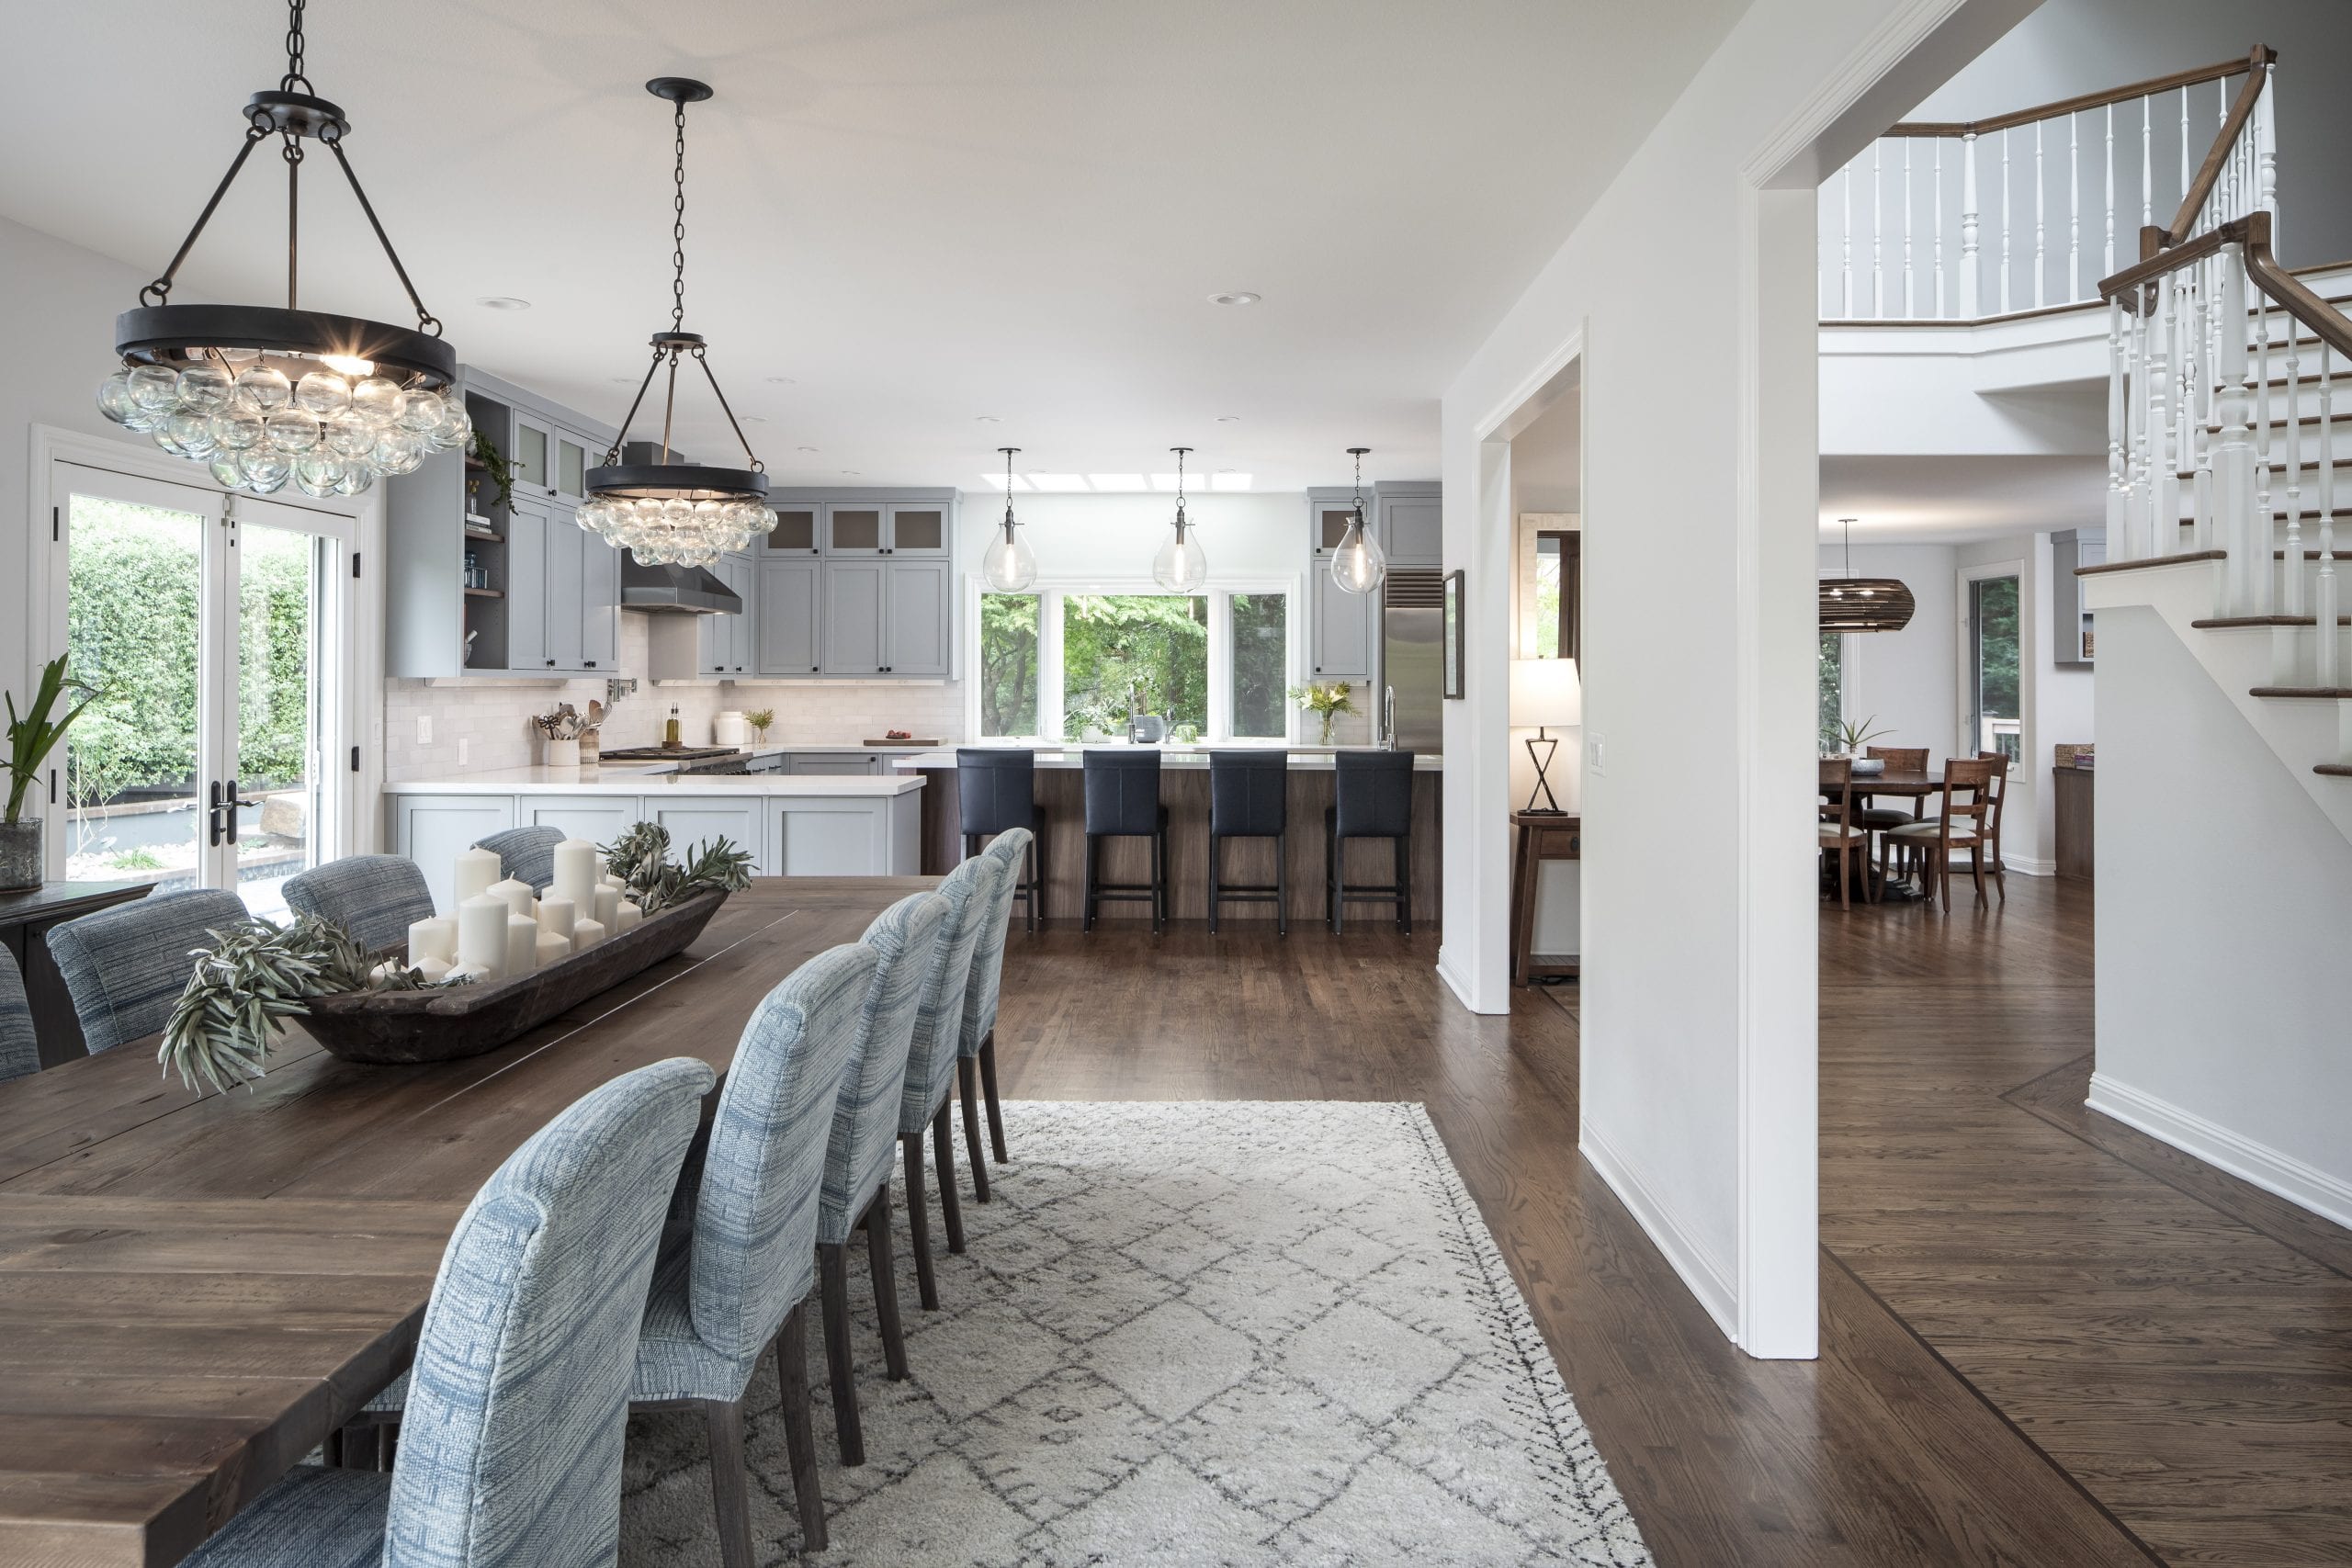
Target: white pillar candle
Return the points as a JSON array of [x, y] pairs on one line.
[[608, 905], [435, 970], [436, 937], [482, 934], [477, 869], [553, 946], [612, 880], [517, 896], [473, 972], [556, 915], [576, 870], [521, 945], [630, 916], [586, 933]]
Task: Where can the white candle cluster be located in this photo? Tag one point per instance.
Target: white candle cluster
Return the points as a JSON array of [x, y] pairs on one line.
[[501, 930]]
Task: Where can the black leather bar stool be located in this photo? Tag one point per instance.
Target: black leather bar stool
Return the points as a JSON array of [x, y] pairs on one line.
[[1372, 799], [1122, 802], [996, 791], [1250, 799]]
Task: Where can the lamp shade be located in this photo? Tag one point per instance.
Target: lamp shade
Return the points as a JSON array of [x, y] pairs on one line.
[[1865, 604], [1546, 694]]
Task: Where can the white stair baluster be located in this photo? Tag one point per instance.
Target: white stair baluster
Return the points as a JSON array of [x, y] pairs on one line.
[[2291, 595], [2196, 384], [2004, 222], [2163, 488], [2147, 168], [2266, 152], [1846, 244], [2323, 604], [1968, 216], [1878, 231], [1910, 305], [2107, 261], [2118, 483], [2234, 458], [2041, 269], [2265, 473], [2142, 496], [2074, 209], [1939, 227], [2193, 224]]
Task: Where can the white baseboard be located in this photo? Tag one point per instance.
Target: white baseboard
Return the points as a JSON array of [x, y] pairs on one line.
[[1702, 1275], [1457, 982], [2026, 865], [2330, 1197]]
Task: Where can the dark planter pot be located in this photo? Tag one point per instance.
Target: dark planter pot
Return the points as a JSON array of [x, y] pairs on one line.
[[20, 855]]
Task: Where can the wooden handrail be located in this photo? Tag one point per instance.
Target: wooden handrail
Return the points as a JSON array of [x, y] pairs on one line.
[[2217, 155], [2251, 232], [2261, 55]]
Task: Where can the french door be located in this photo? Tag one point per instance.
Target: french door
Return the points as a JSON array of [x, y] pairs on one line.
[[213, 627]]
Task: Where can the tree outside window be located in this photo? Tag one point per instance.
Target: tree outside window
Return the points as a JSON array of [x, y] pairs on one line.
[[1260, 665], [1832, 692], [1154, 644], [1009, 663]]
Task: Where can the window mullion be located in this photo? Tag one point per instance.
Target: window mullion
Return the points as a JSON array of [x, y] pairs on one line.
[[1220, 677], [1049, 664]]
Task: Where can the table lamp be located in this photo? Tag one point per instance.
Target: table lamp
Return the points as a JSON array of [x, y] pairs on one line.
[[1546, 694]]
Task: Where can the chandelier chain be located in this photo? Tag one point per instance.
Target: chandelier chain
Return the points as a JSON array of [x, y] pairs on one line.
[[294, 75], [678, 225]]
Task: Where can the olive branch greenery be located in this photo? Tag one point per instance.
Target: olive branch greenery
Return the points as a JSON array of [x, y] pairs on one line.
[[641, 858]]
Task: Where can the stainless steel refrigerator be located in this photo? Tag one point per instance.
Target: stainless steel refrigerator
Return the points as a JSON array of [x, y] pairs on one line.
[[1412, 626]]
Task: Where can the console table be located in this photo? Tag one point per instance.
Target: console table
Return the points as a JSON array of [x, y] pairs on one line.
[[1541, 836]]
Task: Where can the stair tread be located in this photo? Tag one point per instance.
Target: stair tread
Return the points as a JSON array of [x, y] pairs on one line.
[[2325, 692], [2223, 622], [2106, 567]]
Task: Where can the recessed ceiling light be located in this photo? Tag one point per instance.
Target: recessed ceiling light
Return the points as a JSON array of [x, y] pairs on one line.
[[854, 472], [755, 419], [502, 302], [1228, 419], [1226, 479], [1237, 297], [782, 381], [987, 419], [1057, 481], [807, 448], [626, 380], [1116, 483]]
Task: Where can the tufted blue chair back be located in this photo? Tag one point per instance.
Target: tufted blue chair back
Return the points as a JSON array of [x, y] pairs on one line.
[[19, 1053], [528, 854], [511, 1448], [124, 967], [372, 896], [905, 937], [970, 894], [755, 1219], [988, 953]]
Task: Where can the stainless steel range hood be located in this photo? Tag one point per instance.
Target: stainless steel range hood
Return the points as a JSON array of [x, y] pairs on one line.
[[675, 589]]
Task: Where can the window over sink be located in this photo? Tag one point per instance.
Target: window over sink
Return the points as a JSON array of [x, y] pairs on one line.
[[1058, 664]]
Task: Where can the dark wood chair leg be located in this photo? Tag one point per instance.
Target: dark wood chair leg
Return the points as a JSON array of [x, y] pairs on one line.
[[996, 1106], [968, 1078], [880, 1264], [918, 1224], [1282, 884], [1213, 885], [943, 1158], [1158, 882], [832, 1288], [1036, 881], [800, 1437], [1405, 883], [1086, 923], [1338, 896], [722, 1420]]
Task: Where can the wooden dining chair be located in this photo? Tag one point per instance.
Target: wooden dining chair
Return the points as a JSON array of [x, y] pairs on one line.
[[1958, 827], [2000, 761], [1839, 836], [519, 1396], [970, 891], [1882, 819]]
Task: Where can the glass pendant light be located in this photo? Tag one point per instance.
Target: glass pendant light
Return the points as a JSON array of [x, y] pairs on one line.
[[676, 513], [1851, 603], [1009, 566], [1181, 566], [1359, 565], [266, 397]]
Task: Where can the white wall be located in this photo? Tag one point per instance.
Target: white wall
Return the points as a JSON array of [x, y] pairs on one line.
[[57, 317], [2224, 894], [1906, 680], [1685, 295]]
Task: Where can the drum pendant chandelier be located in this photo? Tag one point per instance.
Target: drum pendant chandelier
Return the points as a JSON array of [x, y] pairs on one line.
[[1851, 603], [266, 397], [678, 514]]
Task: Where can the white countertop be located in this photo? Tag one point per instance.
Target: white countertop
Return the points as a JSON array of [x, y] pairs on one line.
[[658, 778], [1302, 759]]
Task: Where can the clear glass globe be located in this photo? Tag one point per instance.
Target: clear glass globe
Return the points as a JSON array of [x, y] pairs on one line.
[[291, 430], [397, 451], [456, 427], [264, 387], [1359, 565], [114, 397], [154, 388], [237, 426], [204, 386], [1011, 565], [160, 433], [191, 433], [324, 393], [354, 477], [1181, 566], [421, 413], [266, 470], [378, 400], [145, 419], [228, 471], [347, 434], [315, 473]]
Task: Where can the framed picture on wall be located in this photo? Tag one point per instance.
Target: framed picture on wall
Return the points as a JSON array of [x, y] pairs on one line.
[[1452, 634]]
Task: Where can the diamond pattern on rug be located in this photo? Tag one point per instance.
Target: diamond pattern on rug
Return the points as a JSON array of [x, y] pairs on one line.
[[1232, 1334]]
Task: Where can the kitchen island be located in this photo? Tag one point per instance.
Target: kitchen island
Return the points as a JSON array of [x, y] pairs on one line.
[[793, 824], [1184, 790]]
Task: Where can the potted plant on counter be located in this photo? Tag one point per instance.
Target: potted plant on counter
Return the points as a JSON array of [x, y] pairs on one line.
[[33, 735], [760, 719], [1325, 701], [1852, 738]]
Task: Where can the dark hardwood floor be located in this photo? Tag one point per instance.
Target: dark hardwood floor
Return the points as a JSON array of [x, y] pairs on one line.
[[2046, 1340]]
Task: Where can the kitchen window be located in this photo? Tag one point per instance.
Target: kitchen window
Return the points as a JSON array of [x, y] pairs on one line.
[[1058, 664]]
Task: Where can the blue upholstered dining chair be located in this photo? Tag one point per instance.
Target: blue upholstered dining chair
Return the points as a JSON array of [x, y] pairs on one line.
[[511, 1453], [526, 854], [975, 1043], [20, 1051], [970, 893], [737, 1282], [125, 966], [372, 896], [856, 1194]]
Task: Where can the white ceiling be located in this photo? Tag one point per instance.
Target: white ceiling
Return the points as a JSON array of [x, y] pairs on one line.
[[920, 213], [1949, 500]]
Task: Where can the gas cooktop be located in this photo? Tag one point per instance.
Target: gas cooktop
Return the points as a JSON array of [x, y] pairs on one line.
[[665, 753]]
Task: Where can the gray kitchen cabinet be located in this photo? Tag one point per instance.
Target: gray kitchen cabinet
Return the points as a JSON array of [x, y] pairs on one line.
[[856, 607], [728, 648], [788, 619], [1327, 513], [856, 528], [599, 601], [564, 593], [528, 523], [696, 820], [836, 764], [600, 819], [531, 453], [1410, 519], [915, 639], [1340, 630], [796, 530], [917, 530], [433, 830]]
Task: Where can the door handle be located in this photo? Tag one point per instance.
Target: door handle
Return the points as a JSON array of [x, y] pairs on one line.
[[212, 814]]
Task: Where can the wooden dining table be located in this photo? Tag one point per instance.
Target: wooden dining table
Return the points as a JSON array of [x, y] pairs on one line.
[[1912, 785], [197, 1289]]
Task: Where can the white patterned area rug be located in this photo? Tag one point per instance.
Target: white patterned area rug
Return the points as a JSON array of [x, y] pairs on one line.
[[1239, 1333]]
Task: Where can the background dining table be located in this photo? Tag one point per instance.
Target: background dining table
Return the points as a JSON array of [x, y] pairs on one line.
[[197, 1289]]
